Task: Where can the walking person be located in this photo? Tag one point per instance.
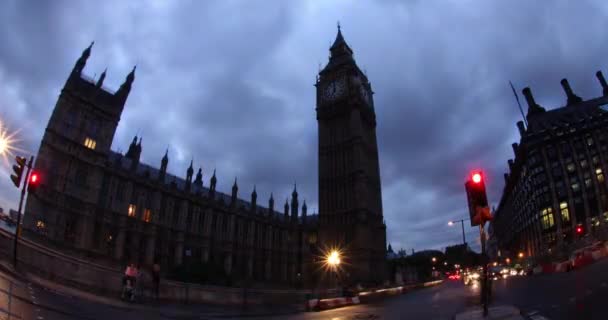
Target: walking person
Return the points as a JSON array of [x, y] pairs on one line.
[[156, 279], [128, 280]]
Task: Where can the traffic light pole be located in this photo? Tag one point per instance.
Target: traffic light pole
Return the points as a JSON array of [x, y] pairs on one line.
[[484, 284], [18, 227]]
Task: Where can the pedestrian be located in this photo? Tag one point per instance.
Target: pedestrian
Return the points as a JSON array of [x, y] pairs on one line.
[[156, 279], [128, 280]]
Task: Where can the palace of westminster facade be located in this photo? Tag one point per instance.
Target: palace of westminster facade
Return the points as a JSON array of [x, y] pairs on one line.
[[111, 206]]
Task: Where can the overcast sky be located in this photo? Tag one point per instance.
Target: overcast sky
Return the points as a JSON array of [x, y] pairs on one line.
[[230, 84]]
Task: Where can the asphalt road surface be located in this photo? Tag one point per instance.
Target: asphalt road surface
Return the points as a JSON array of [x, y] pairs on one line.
[[581, 294]]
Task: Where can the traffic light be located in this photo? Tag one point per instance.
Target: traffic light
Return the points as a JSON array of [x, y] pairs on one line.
[[477, 198], [18, 169], [33, 183], [579, 230]]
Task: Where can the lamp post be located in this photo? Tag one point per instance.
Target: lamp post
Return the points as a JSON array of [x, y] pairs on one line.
[[451, 223], [333, 260]]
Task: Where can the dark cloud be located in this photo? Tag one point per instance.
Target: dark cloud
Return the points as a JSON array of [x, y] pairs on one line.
[[229, 84]]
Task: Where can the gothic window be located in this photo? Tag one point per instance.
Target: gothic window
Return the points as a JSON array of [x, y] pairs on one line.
[[132, 211], [120, 189], [70, 121], [93, 127], [213, 223], [147, 215], [81, 174]]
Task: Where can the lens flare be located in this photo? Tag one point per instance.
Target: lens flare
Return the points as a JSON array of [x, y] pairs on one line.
[[7, 144]]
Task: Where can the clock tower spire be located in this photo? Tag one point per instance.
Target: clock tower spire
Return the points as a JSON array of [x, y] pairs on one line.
[[350, 200]]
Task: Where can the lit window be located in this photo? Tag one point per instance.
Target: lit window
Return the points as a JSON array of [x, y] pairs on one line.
[[599, 175], [606, 216], [547, 218], [575, 186], [584, 164], [147, 215], [570, 167], [132, 210], [564, 210], [588, 183], [595, 222], [589, 141], [90, 143], [40, 224]]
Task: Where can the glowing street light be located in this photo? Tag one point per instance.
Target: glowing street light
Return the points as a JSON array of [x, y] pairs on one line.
[[7, 144], [333, 258], [508, 260], [450, 223], [434, 259], [520, 255]]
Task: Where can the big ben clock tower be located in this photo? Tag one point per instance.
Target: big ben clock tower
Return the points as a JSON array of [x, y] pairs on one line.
[[350, 198]]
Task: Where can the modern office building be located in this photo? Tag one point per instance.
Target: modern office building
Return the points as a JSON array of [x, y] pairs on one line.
[[556, 190]]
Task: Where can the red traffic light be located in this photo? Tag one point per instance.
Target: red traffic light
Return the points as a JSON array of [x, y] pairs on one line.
[[34, 182], [476, 177]]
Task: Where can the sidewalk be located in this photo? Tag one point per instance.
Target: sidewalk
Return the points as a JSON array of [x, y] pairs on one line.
[[494, 313], [168, 310]]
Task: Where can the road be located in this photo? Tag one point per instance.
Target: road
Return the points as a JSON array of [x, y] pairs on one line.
[[581, 294], [576, 295], [439, 302]]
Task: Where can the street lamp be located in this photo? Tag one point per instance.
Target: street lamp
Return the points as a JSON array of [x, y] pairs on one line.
[[520, 255], [333, 259], [434, 259], [451, 223], [508, 260]]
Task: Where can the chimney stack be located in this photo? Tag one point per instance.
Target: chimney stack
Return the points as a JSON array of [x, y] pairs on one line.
[[515, 146], [529, 98], [600, 77], [522, 130], [572, 98], [510, 165]]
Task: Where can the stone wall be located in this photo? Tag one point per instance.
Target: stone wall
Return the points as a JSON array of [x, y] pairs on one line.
[[85, 275]]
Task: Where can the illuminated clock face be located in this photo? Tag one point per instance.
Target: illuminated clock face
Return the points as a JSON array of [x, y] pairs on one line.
[[334, 90]]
